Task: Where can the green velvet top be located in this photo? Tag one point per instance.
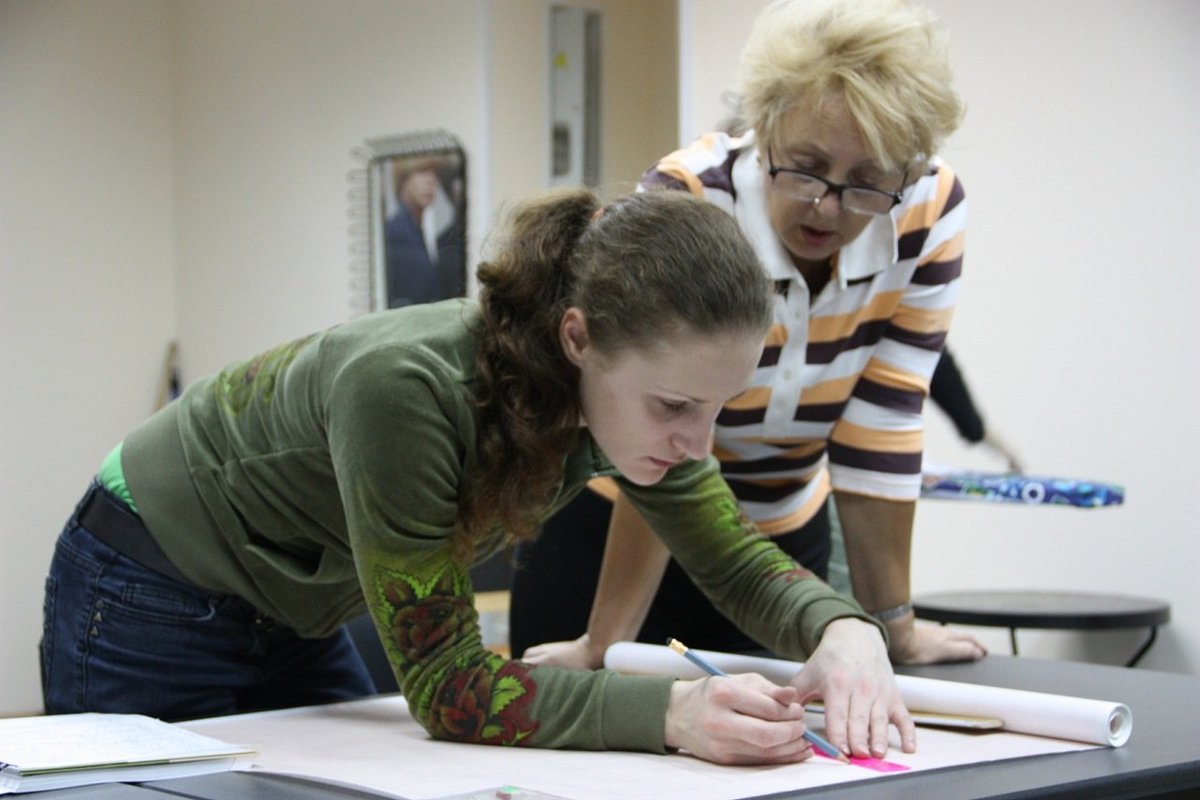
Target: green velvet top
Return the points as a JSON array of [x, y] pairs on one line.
[[326, 472]]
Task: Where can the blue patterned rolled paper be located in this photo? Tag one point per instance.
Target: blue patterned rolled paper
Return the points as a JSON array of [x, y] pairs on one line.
[[1007, 487]]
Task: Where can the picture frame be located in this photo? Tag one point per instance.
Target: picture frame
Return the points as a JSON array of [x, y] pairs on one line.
[[409, 221]]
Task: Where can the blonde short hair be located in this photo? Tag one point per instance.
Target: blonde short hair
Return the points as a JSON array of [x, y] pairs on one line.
[[887, 59]]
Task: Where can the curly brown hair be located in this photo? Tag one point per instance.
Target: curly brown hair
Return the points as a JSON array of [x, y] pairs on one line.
[[646, 266]]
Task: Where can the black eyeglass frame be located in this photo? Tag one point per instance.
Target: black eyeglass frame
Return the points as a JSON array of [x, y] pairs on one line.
[[839, 188]]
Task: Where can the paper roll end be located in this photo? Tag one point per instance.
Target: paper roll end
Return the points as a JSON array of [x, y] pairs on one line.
[[1120, 725]]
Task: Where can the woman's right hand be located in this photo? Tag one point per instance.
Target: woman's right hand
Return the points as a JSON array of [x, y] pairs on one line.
[[737, 719]]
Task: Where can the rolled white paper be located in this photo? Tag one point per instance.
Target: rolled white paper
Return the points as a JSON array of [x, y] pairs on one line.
[[1057, 716]]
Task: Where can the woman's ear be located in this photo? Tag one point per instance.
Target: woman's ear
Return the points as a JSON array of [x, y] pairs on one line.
[[573, 335]]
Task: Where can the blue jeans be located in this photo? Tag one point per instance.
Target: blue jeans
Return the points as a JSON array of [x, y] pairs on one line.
[[120, 637]]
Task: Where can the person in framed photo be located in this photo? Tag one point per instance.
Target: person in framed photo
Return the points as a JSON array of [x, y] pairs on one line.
[[424, 237]]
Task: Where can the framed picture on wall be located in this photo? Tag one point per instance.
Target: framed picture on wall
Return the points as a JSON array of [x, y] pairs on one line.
[[414, 203]]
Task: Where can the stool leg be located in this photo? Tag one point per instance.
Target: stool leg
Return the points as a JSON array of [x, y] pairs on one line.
[[1144, 648], [1012, 638]]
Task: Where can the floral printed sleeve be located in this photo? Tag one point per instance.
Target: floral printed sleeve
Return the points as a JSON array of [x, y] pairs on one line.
[[460, 691], [470, 694]]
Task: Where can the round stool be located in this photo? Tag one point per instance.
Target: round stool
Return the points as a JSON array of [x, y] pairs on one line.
[[1057, 610]]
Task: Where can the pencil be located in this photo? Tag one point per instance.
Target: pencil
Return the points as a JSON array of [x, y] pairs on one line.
[[712, 669]]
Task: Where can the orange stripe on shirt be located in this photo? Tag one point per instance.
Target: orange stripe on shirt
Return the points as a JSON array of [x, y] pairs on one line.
[[605, 487], [788, 448], [683, 175], [923, 320], [754, 397], [894, 378], [856, 436], [799, 517], [948, 250], [777, 336], [924, 215], [840, 326]]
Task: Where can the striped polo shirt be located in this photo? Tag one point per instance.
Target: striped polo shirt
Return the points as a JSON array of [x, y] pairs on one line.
[[837, 398]]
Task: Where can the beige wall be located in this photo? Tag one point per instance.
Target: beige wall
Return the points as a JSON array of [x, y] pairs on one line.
[[639, 89], [87, 287], [712, 33], [519, 102], [641, 68], [271, 98], [1077, 320]]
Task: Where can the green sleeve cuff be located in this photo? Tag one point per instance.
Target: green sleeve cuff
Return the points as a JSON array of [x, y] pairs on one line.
[[635, 712]]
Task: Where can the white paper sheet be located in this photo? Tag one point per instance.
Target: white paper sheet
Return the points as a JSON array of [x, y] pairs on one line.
[[1059, 716], [375, 743]]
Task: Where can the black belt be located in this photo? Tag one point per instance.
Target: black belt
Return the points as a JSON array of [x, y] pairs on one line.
[[115, 524]]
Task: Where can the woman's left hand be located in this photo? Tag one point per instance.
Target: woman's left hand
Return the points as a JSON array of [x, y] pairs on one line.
[[850, 672], [912, 643], [573, 654]]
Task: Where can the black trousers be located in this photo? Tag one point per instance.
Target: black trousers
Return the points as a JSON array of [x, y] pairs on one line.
[[556, 575]]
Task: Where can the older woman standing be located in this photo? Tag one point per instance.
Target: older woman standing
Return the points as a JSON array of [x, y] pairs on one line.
[[837, 184]]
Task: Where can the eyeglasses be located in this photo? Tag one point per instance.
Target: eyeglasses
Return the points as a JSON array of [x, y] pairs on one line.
[[809, 188]]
